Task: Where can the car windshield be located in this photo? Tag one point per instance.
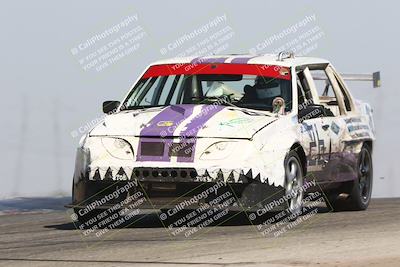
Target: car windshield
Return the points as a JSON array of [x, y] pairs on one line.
[[249, 91]]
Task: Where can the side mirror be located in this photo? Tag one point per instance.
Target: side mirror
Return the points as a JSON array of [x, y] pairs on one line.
[[110, 106], [311, 112]]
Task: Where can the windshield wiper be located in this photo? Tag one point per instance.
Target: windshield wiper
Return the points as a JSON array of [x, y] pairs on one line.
[[137, 107], [224, 99]]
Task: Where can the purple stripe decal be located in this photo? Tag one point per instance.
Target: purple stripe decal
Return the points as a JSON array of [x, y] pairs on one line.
[[241, 60], [201, 60], [163, 125], [189, 135], [195, 60]]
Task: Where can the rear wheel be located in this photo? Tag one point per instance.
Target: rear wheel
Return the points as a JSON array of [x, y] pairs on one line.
[[359, 191], [360, 194]]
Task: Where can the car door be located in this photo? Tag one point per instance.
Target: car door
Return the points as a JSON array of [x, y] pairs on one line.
[[314, 134], [331, 97], [316, 143]]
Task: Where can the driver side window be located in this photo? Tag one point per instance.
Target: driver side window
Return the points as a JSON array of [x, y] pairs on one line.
[[326, 94], [310, 95]]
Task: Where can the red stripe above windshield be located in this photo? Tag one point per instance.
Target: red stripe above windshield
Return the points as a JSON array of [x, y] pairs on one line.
[[224, 68]]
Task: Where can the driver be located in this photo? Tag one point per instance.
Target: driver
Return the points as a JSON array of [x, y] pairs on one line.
[[267, 89], [264, 91]]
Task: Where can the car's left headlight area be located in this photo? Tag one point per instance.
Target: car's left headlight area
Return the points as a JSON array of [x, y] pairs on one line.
[[100, 158], [108, 148], [117, 148]]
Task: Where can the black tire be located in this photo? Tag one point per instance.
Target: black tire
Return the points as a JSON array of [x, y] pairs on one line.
[[360, 194], [359, 191], [294, 204]]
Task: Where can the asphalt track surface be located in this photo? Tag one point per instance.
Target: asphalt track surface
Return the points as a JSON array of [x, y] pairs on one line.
[[367, 238]]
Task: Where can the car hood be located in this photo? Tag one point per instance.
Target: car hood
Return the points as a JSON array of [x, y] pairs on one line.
[[214, 121]]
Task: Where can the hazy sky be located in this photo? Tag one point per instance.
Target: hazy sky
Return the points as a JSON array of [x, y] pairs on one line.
[[51, 89]]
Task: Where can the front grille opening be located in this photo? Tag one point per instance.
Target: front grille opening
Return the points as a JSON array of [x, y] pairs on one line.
[[152, 149]]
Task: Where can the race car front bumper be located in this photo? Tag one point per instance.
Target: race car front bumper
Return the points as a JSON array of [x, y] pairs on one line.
[[169, 192], [164, 185]]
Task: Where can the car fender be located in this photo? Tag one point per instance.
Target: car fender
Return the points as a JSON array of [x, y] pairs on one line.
[[275, 142]]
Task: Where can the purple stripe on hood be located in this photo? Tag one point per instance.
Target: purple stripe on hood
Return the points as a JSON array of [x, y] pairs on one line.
[[189, 135], [160, 126]]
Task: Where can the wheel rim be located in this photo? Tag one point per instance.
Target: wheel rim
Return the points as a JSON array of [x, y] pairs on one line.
[[365, 175], [294, 183]]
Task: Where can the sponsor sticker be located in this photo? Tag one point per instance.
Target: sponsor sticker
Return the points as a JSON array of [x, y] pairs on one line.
[[165, 123], [236, 121], [335, 128]]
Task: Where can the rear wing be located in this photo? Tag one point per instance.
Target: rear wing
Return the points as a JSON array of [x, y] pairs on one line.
[[374, 77]]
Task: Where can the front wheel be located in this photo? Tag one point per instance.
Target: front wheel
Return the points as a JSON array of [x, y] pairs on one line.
[[294, 179]]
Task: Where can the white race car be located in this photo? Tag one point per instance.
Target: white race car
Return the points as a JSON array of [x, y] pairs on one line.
[[260, 126]]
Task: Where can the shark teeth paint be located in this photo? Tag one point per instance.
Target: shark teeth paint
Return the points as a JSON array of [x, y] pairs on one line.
[[202, 174]]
